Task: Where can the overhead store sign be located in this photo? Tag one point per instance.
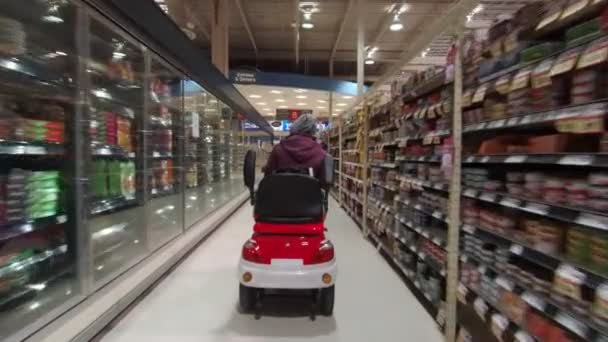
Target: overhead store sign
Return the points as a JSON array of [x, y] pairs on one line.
[[277, 125], [244, 77], [291, 114], [294, 81]]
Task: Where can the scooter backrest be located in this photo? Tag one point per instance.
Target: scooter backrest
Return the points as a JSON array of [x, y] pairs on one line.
[[289, 198], [326, 178], [249, 172]]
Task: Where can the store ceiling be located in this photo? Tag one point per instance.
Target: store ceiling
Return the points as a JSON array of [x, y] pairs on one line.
[[267, 99], [268, 24]]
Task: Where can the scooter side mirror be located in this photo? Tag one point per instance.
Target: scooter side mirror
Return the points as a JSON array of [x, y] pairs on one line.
[[327, 172], [249, 173]]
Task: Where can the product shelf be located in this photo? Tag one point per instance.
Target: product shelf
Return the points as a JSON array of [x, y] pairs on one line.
[[583, 217], [110, 205], [13, 230]]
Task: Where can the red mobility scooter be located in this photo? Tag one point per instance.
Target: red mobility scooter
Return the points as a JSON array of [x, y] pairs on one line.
[[288, 249]]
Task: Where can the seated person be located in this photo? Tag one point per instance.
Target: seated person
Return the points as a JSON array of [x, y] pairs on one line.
[[299, 151]]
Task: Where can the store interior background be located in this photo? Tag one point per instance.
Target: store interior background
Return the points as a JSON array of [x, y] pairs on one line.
[[123, 126]]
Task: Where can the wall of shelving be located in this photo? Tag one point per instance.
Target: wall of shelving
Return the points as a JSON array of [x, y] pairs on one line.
[[531, 256]]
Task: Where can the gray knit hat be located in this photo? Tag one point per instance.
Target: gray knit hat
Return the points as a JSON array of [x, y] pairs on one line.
[[305, 124]]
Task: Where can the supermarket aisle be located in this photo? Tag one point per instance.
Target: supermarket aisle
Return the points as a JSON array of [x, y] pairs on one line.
[[198, 301]]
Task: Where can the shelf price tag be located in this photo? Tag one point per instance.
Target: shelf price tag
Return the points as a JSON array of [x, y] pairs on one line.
[[480, 94], [537, 208], [516, 249], [594, 54], [481, 308], [504, 283], [499, 325], [462, 293], [580, 125], [467, 98], [548, 20], [564, 63], [573, 8], [470, 193], [468, 228], [488, 197], [571, 323], [591, 220], [515, 159], [62, 219], [541, 74], [512, 122], [534, 301], [510, 202], [521, 79]]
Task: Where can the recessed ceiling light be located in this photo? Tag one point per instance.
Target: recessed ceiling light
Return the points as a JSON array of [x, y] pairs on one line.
[[321, 101], [300, 90], [301, 97], [321, 107], [279, 100], [283, 106], [50, 18], [335, 114], [276, 92], [308, 25], [369, 61], [261, 103], [255, 96], [341, 104], [267, 109], [346, 97], [301, 104], [396, 27]]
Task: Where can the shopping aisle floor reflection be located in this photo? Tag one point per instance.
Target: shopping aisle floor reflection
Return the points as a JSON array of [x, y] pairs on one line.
[[198, 301]]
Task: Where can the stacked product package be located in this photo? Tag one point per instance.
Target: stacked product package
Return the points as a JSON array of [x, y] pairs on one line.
[[114, 178], [29, 195]]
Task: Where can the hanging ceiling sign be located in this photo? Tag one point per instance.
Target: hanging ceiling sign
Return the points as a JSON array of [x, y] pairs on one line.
[[291, 114]]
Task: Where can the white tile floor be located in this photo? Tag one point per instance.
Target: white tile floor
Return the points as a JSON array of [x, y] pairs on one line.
[[198, 301]]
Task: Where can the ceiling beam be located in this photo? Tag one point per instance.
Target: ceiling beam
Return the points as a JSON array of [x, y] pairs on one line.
[[239, 6], [334, 48]]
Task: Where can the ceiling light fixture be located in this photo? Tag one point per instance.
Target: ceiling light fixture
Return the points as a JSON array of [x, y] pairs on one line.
[[301, 104], [369, 61], [341, 104], [347, 97], [321, 107], [276, 92], [396, 25], [254, 96], [279, 100], [301, 97], [261, 103], [321, 101], [308, 25], [283, 106]]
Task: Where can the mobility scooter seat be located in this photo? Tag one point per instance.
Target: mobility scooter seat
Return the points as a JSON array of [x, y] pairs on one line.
[[289, 198]]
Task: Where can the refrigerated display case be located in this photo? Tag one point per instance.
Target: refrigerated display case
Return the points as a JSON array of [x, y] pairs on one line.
[[163, 137], [38, 92], [99, 146]]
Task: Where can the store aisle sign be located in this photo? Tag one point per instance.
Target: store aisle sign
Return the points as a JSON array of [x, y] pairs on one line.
[[291, 114], [244, 77], [277, 125]]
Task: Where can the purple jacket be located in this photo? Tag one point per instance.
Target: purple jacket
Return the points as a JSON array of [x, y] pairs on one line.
[[296, 152]]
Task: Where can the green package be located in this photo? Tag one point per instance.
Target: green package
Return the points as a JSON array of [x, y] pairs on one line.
[[100, 178]]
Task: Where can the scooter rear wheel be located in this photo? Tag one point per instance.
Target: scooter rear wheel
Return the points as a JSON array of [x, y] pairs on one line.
[[246, 298], [326, 301]]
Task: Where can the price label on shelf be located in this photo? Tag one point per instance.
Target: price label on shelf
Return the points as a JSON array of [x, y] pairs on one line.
[[537, 208], [573, 8], [516, 249], [480, 94], [515, 159], [591, 220], [488, 197], [563, 66], [571, 323], [580, 159], [468, 228], [499, 325], [462, 293], [481, 308], [470, 193], [522, 336], [504, 283], [548, 20], [62, 219], [594, 55], [580, 125], [521, 79], [467, 96], [512, 122], [534, 301], [510, 202]]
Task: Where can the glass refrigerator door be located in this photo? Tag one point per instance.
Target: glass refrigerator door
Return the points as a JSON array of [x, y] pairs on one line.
[[164, 155], [115, 196], [38, 68]]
